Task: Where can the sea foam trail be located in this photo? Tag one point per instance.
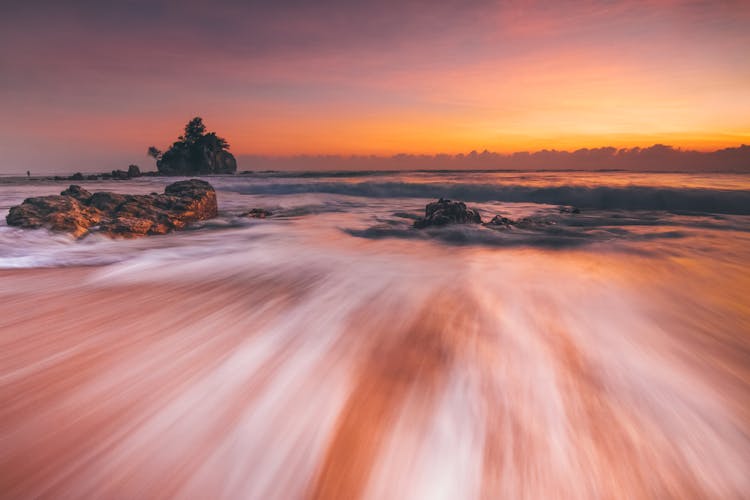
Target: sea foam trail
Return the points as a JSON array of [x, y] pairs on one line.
[[283, 368]]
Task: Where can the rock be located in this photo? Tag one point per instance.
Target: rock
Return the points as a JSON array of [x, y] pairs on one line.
[[500, 221], [57, 213], [78, 176], [92, 177], [107, 201], [128, 226], [77, 192], [444, 212], [257, 213], [179, 162], [120, 175], [79, 212], [570, 210], [533, 222], [134, 171], [196, 152]]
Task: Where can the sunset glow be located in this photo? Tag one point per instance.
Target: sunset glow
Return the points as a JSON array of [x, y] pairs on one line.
[[96, 85]]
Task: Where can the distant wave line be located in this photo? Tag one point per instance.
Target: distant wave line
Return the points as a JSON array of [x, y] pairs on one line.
[[599, 197]]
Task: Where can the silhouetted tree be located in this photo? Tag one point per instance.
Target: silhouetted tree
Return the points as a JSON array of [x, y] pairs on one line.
[[195, 152], [194, 131]]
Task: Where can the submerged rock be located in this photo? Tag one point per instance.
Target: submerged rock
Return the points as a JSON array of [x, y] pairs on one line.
[[500, 221], [570, 210], [532, 222], [257, 213], [120, 175], [442, 212], [78, 212]]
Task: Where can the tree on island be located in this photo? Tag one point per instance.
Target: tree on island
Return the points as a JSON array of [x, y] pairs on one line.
[[195, 152]]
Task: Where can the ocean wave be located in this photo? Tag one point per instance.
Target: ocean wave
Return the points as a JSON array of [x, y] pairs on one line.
[[686, 200]]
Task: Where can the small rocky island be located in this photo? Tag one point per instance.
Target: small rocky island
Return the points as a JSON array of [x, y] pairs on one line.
[[79, 212], [196, 152]]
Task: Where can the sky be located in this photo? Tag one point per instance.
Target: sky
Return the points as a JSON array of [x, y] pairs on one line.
[[89, 85]]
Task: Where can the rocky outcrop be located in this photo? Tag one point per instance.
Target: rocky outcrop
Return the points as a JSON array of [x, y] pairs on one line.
[[78, 212], [570, 210], [196, 152], [442, 212], [123, 175], [185, 162], [500, 221], [532, 222], [257, 213], [119, 175]]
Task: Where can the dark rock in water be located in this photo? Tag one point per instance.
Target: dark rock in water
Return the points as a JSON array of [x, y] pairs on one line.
[[533, 222], [78, 176], [179, 162], [77, 192], [79, 212], [92, 177], [134, 171], [195, 152], [257, 213], [570, 210], [442, 212], [500, 221], [120, 175]]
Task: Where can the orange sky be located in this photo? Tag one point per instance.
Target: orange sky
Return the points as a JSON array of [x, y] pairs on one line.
[[95, 85]]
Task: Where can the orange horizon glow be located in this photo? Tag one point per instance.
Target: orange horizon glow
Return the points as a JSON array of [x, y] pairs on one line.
[[356, 79]]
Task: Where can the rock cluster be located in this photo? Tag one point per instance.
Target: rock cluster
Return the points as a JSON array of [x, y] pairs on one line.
[[118, 175], [257, 213], [79, 212], [500, 221], [442, 212]]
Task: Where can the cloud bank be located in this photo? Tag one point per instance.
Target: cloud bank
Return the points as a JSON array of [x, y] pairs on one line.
[[655, 158]]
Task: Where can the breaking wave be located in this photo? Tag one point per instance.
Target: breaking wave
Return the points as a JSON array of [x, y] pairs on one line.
[[699, 200]]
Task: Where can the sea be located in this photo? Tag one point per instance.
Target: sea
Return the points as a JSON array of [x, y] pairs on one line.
[[599, 348]]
